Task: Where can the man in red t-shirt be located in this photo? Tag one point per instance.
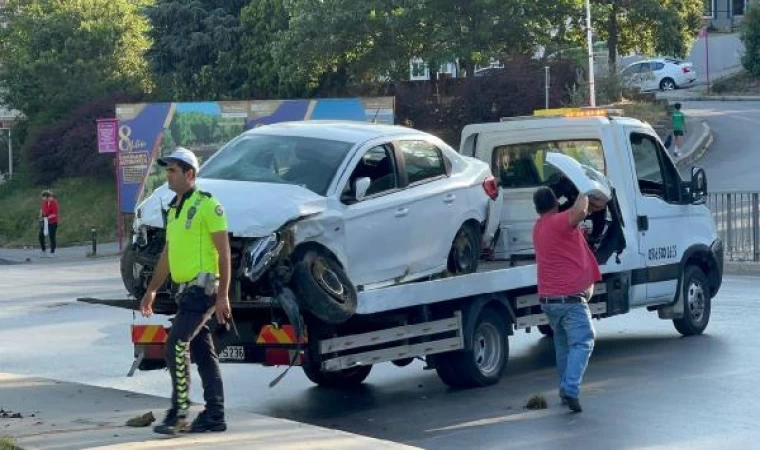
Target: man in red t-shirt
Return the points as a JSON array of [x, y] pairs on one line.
[[49, 211], [567, 271]]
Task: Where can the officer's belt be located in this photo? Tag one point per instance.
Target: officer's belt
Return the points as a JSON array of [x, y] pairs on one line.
[[204, 280]]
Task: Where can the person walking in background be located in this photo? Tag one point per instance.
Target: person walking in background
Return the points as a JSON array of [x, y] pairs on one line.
[[48, 222], [679, 128]]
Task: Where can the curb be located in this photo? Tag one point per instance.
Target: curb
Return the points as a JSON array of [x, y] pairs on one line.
[[741, 268], [716, 98]]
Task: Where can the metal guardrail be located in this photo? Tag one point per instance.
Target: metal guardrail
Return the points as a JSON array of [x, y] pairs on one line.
[[737, 217]]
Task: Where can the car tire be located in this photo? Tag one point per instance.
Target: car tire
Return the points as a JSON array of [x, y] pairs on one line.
[[546, 330], [668, 84], [484, 363], [464, 254], [697, 302], [323, 287], [132, 285]]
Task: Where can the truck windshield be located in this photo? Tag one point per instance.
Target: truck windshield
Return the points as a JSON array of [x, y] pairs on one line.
[[304, 161], [524, 165]]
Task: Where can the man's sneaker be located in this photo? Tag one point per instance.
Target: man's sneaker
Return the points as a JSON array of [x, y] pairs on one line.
[[173, 424], [205, 422], [574, 404], [562, 397]]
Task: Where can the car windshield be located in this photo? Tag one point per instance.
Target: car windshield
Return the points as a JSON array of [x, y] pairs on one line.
[[303, 161], [524, 165]]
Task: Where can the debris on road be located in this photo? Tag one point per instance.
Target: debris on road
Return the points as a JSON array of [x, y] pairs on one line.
[[10, 415], [142, 421], [537, 402]]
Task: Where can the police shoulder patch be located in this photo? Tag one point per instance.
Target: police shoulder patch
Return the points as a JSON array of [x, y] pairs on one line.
[[219, 210]]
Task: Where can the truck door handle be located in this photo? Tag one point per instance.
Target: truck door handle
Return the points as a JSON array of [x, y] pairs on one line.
[[402, 212], [642, 222], [449, 199]]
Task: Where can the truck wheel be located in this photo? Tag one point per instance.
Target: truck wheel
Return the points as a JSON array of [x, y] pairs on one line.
[[345, 378], [465, 251], [697, 302], [546, 330], [485, 362], [132, 285], [324, 288]]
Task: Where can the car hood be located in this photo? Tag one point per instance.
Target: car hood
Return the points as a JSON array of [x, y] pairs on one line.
[[253, 209]]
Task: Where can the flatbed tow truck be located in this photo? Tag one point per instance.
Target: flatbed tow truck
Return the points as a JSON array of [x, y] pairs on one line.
[[657, 246]]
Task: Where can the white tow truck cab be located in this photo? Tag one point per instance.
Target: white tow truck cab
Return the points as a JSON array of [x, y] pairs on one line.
[[656, 243]]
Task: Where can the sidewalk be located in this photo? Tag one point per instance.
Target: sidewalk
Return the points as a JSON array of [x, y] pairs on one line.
[[32, 255], [74, 416]]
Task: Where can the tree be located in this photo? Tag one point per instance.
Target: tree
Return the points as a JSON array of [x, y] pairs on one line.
[[665, 27], [196, 48], [750, 36], [341, 41], [58, 55], [262, 21]]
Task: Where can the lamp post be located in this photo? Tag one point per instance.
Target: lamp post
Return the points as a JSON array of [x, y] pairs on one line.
[[589, 34]]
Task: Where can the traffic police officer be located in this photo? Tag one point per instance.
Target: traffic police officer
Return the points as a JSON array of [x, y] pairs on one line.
[[197, 256]]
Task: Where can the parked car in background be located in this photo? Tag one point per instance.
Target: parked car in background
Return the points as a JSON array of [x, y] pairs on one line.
[[664, 74], [331, 208]]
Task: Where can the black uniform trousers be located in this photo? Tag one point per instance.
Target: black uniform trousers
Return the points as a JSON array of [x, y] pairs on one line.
[[190, 334]]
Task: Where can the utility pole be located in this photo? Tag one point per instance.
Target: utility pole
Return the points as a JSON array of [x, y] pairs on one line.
[[589, 34]]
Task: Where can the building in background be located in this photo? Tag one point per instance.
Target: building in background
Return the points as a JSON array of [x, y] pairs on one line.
[[726, 15]]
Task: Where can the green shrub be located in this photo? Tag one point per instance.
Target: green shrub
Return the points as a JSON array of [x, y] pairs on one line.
[[750, 35]]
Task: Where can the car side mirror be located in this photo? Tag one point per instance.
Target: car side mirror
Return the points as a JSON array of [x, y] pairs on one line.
[[698, 184], [361, 187]]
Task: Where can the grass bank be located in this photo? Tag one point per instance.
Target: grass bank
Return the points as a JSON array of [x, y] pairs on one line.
[[740, 84], [83, 204]]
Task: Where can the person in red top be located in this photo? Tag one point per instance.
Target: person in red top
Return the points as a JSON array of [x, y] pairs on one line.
[[567, 271], [49, 210]]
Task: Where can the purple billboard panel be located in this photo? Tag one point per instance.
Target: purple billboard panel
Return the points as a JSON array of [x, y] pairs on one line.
[[108, 132]]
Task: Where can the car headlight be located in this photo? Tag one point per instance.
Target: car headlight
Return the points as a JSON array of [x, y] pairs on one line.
[[259, 254]]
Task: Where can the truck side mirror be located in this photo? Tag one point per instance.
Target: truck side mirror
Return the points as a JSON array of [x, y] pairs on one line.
[[698, 184]]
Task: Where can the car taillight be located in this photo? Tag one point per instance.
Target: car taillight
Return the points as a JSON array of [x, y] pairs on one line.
[[491, 187], [686, 69]]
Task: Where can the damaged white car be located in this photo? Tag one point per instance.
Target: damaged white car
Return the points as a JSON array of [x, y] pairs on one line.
[[324, 209]]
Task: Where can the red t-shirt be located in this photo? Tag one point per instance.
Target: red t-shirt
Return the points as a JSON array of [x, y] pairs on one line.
[[50, 210], [566, 265]]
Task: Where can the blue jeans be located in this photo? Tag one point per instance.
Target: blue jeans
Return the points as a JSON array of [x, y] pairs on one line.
[[573, 342]]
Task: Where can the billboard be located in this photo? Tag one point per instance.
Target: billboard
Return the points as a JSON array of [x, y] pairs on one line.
[[148, 131]]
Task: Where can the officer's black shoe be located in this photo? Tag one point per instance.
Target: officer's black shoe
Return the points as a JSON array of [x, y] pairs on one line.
[[207, 422], [574, 404], [173, 424]]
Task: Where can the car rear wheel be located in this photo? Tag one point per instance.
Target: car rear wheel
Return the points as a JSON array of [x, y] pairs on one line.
[[465, 251], [667, 84]]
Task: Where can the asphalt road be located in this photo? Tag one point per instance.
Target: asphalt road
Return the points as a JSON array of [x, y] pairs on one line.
[[733, 161], [646, 387]]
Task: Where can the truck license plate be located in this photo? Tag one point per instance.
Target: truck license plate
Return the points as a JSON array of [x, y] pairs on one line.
[[233, 353]]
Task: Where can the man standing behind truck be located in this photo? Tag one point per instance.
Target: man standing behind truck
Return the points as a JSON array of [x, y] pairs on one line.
[[567, 271], [197, 256]]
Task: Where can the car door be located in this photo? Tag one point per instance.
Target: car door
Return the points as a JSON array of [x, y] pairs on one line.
[[432, 204], [660, 219], [631, 76], [376, 226]]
